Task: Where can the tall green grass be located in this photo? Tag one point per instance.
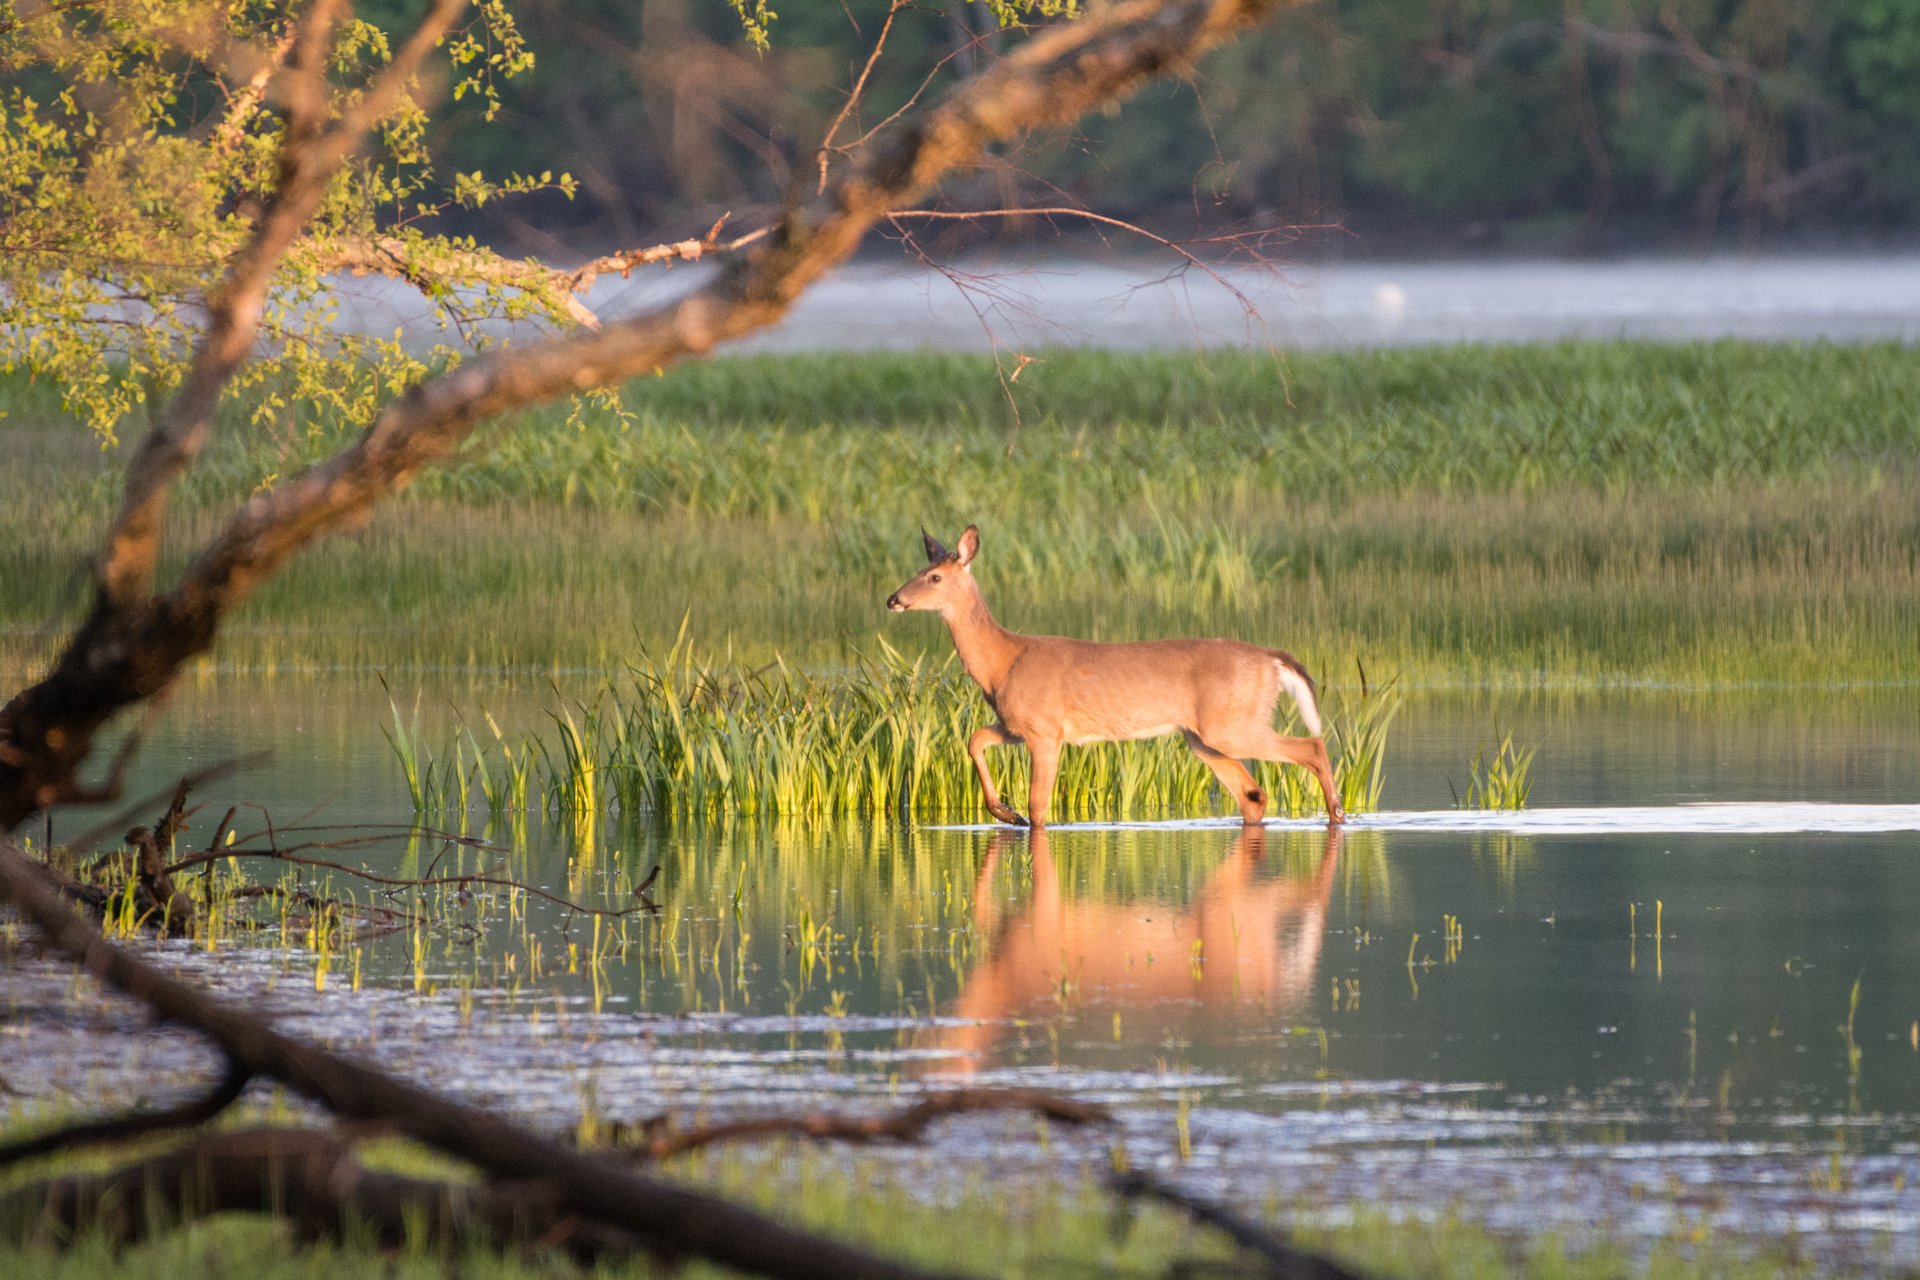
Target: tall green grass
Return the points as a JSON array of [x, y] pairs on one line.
[[835, 437], [1577, 515], [692, 738]]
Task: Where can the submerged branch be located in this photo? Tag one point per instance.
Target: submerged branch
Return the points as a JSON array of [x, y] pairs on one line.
[[401, 882], [906, 1125]]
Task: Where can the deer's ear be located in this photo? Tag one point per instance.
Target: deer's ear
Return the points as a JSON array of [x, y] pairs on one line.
[[969, 546], [936, 554]]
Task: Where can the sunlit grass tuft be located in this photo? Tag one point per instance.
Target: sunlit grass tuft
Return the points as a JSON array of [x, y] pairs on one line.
[[1502, 780], [694, 738]]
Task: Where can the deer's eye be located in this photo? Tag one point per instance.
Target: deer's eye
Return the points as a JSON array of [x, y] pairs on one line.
[[933, 578]]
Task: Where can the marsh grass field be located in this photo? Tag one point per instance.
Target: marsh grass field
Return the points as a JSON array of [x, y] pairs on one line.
[[1575, 516]]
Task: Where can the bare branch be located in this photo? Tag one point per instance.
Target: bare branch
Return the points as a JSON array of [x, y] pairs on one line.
[[400, 882], [1068, 211], [582, 277], [120, 1128], [200, 777], [859, 87], [44, 11]]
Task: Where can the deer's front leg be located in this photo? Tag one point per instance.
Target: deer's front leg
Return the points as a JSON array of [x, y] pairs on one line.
[[1046, 764], [992, 736]]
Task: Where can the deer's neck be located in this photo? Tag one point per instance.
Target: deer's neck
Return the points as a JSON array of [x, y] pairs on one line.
[[987, 649]]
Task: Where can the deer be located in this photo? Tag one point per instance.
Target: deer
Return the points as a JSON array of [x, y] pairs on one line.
[[1053, 691]]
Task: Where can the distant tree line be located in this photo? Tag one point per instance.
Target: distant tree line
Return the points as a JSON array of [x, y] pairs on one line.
[[1528, 123]]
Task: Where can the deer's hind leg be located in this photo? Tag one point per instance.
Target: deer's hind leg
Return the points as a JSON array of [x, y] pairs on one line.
[[1262, 743], [1233, 775], [992, 736]]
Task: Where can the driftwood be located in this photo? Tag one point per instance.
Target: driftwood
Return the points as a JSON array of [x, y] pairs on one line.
[[906, 1125], [160, 903], [150, 848]]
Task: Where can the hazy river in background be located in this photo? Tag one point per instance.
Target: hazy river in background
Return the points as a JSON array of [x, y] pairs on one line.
[[1019, 305]]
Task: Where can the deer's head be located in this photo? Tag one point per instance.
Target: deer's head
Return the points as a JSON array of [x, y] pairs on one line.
[[945, 581]]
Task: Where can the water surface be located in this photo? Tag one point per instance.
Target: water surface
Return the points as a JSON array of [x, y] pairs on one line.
[[1624, 1005]]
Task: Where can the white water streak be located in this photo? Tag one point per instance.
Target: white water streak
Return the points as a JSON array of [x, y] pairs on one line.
[[1765, 817]]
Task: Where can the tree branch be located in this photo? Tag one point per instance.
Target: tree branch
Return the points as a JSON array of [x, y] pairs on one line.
[[391, 256], [1056, 77], [859, 87], [231, 127], [310, 157]]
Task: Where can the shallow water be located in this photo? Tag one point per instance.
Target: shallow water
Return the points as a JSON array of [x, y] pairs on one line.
[[1632, 1003]]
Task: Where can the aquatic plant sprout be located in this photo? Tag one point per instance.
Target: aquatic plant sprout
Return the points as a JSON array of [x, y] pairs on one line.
[[1501, 780]]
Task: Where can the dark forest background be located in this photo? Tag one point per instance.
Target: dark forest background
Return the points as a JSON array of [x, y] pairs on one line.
[[1419, 125]]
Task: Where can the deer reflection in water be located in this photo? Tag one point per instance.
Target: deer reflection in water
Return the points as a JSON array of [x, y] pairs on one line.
[[1245, 941]]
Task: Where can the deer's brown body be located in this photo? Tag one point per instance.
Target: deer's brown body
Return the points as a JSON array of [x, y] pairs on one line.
[[1049, 691]]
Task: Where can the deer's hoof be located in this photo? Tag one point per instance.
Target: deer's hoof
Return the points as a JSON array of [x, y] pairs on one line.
[[1336, 816], [1004, 814]]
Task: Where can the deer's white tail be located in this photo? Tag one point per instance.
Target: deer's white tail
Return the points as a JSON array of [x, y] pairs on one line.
[[1295, 680]]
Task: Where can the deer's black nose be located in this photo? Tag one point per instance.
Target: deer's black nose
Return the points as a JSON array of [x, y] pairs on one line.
[[893, 602]]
